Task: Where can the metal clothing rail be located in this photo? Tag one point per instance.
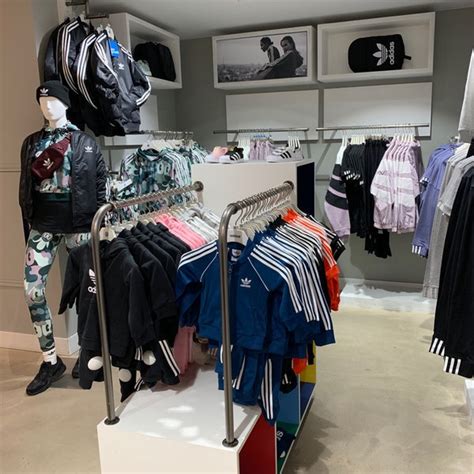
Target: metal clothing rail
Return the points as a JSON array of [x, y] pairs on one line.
[[262, 130], [99, 216], [286, 188], [371, 127], [166, 133]]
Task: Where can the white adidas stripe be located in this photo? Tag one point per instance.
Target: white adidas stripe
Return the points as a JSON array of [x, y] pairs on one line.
[[196, 257], [238, 381], [81, 72], [303, 294], [169, 358], [317, 288], [66, 45], [283, 273], [195, 252], [312, 277], [305, 287]]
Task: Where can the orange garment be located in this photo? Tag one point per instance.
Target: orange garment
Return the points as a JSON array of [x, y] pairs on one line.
[[331, 269], [299, 365]]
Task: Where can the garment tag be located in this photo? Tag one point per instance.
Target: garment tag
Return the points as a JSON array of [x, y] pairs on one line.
[[235, 235], [114, 48], [121, 185], [235, 254]]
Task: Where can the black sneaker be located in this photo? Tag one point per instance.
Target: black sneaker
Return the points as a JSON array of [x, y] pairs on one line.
[[47, 374], [75, 369]]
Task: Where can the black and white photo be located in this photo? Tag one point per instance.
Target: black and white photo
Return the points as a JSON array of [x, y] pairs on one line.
[[262, 56]]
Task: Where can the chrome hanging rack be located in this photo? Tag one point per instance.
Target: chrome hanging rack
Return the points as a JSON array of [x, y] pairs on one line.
[[99, 217], [371, 127], [262, 130], [285, 189], [167, 133]]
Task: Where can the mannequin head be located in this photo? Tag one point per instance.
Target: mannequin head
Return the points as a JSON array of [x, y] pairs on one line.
[[53, 109], [53, 98]]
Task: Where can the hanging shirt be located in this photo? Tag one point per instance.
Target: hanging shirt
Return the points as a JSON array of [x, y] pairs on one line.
[[335, 203], [431, 182]]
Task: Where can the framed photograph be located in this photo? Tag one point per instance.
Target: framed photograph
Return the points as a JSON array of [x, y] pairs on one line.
[[264, 58]]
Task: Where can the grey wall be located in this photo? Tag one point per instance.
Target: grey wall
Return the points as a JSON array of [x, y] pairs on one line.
[[201, 108]]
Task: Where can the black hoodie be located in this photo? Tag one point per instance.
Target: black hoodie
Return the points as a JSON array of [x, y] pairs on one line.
[[79, 288], [159, 289], [129, 317], [152, 243]]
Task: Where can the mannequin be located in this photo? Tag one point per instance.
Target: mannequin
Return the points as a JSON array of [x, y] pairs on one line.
[[62, 184], [54, 111]]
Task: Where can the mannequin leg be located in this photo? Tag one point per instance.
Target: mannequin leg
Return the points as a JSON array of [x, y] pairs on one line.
[[41, 250]]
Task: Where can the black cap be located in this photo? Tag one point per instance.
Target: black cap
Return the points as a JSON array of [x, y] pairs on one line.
[[54, 89]]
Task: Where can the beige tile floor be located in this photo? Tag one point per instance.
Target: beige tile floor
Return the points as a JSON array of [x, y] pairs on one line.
[[383, 405]]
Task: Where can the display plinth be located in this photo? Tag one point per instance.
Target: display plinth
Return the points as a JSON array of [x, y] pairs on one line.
[[178, 429]]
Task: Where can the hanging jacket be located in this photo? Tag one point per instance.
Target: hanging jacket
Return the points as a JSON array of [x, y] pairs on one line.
[[70, 38], [119, 84], [93, 116], [51, 59], [88, 172], [61, 54]]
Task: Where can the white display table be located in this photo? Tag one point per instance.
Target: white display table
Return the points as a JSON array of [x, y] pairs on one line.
[[175, 429]]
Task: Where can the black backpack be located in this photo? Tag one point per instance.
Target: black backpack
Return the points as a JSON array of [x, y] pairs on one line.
[[377, 53], [159, 58]]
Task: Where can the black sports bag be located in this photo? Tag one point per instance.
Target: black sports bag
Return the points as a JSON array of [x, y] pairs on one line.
[[377, 53]]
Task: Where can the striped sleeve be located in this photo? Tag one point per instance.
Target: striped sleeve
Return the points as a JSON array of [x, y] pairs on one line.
[[191, 271]]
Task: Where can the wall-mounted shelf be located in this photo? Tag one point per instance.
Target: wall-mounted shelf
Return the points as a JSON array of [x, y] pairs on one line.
[[131, 31], [334, 40]]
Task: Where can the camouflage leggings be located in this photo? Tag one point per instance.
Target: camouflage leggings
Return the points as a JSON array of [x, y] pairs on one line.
[[41, 250]]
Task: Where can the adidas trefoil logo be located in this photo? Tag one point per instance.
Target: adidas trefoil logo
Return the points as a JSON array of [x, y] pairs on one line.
[[245, 283], [383, 53], [92, 289], [47, 163], [88, 149], [44, 91]]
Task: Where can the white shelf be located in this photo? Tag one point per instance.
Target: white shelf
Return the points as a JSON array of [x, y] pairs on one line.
[[334, 40], [161, 84], [131, 31]]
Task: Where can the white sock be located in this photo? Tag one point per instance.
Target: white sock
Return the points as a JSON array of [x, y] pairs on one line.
[[50, 356]]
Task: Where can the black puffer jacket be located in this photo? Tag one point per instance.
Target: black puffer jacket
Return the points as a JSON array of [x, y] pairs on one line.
[[89, 177]]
